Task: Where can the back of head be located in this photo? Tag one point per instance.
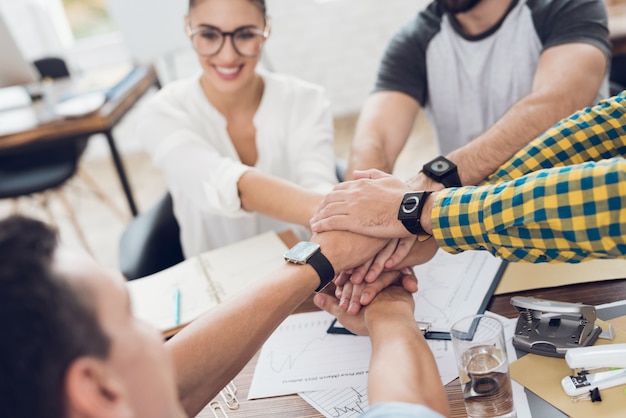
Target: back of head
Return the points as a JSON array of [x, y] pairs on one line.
[[47, 323]]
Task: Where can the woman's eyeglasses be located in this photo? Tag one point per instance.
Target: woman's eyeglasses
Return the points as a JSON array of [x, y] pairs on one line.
[[246, 40]]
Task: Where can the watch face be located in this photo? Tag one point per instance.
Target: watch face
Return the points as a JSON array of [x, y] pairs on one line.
[[439, 166], [410, 203], [301, 252]]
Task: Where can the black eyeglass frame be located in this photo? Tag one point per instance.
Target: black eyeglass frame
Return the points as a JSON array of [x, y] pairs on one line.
[[265, 33]]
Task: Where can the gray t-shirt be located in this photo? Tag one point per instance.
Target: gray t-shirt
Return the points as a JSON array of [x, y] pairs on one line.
[[466, 83]]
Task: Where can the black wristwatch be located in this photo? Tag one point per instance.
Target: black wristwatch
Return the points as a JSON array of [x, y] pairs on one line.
[[410, 212], [306, 252], [443, 171]]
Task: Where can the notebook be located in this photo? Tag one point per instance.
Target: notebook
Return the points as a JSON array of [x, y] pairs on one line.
[[172, 298]]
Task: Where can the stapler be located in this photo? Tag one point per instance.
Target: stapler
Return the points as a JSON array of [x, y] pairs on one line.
[[551, 328], [594, 368]]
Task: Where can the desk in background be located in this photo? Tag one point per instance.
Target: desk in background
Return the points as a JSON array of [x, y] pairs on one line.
[[21, 126]]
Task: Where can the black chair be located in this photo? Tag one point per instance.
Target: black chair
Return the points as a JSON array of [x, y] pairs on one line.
[[151, 242], [40, 167], [52, 67], [617, 77]]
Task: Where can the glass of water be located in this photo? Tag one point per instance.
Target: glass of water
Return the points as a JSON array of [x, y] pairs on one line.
[[480, 352]]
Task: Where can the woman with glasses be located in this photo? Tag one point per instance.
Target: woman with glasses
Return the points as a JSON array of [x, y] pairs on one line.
[[243, 150]]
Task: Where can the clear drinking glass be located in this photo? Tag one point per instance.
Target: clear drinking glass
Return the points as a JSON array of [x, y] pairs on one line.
[[480, 352]]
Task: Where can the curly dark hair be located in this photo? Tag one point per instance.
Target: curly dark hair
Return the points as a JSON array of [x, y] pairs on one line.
[[48, 323]]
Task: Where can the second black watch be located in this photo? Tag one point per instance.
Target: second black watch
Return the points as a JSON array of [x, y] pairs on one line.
[[410, 212], [443, 171]]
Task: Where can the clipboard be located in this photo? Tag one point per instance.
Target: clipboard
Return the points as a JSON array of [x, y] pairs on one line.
[[451, 286]]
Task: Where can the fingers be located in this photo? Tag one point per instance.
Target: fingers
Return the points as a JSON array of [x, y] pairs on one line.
[[327, 303], [353, 323], [359, 273], [344, 297], [336, 222], [378, 265], [342, 278], [401, 251], [354, 297], [408, 280], [372, 289]]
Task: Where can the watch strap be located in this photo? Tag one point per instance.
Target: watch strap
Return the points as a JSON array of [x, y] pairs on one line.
[[449, 179], [324, 269], [452, 179], [413, 224]]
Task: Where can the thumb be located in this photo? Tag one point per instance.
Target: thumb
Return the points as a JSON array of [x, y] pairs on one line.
[[328, 303]]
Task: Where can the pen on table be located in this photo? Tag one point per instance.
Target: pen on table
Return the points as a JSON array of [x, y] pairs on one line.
[[177, 306]]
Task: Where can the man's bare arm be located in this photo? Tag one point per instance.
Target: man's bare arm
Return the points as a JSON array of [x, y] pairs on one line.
[[384, 125], [568, 78]]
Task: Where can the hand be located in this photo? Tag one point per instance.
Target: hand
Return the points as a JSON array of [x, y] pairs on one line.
[[367, 206], [420, 253], [346, 250], [353, 296], [393, 302], [389, 257]]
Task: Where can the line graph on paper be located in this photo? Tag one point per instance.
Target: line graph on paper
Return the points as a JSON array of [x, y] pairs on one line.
[[453, 286], [301, 356], [340, 403]]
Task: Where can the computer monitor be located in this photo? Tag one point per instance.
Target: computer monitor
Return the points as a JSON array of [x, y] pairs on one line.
[[15, 69]]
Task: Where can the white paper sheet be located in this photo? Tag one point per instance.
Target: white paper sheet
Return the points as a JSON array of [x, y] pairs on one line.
[[453, 286], [301, 356]]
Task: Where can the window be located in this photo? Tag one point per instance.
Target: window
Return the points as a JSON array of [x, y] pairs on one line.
[[88, 18]]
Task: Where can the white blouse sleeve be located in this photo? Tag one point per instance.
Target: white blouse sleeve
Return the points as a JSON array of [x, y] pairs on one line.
[[194, 169]]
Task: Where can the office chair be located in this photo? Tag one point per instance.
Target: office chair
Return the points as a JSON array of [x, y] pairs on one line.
[[31, 169], [40, 168], [52, 67], [617, 77], [151, 241]]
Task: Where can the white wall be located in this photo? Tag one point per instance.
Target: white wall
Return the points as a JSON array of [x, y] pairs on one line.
[[337, 44]]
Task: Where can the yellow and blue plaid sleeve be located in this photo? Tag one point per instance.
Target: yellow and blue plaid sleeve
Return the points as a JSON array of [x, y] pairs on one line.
[[592, 134], [565, 214]]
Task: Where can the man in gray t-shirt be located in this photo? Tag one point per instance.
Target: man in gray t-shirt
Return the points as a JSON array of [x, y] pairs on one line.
[[491, 75]]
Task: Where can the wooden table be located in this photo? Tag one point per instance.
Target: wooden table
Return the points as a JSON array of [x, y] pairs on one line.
[[23, 125], [293, 406]]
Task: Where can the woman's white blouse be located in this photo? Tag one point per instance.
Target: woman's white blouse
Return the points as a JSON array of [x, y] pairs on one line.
[[188, 141]]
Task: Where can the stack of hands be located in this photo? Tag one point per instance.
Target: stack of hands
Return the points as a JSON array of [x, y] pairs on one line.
[[367, 209]]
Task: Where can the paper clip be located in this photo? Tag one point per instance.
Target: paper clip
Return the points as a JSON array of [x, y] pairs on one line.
[[229, 395], [217, 410]]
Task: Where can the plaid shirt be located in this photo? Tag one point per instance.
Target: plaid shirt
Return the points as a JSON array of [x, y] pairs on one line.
[[562, 198]]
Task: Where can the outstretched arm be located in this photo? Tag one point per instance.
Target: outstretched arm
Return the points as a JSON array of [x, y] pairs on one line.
[[383, 128], [564, 214], [208, 353], [402, 367], [567, 79], [277, 198]]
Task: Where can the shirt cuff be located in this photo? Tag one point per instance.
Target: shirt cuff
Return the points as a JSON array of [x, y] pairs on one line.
[[457, 219]]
